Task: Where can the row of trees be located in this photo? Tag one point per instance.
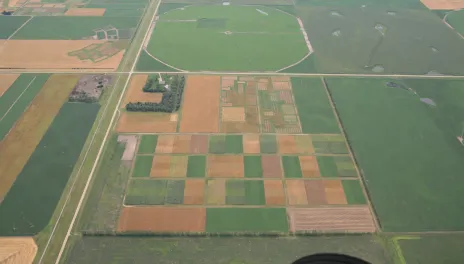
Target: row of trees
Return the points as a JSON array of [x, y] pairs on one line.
[[169, 103], [153, 86]]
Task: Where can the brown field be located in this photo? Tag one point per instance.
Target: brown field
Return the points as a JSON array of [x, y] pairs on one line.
[[250, 124], [251, 144], [138, 122], [165, 144], [281, 86], [309, 166], [161, 167], [287, 144], [271, 167], [17, 250], [178, 166], [136, 94], [18, 145], [85, 12], [53, 55], [334, 192], [227, 82], [280, 79], [233, 114], [331, 219], [216, 192], [194, 191], [162, 219], [12, 3], [315, 192], [443, 4], [200, 111], [199, 144], [304, 144], [182, 144], [296, 192], [6, 80], [274, 192], [225, 166]]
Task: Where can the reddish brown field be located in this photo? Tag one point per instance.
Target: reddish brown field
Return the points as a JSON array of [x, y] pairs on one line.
[[138, 122], [194, 191], [85, 12], [315, 192], [251, 144], [331, 219], [162, 219], [334, 192], [200, 111], [165, 144], [274, 192], [199, 144], [182, 144], [271, 167], [309, 166], [161, 167], [6, 80], [136, 94], [296, 192], [225, 166], [287, 144]]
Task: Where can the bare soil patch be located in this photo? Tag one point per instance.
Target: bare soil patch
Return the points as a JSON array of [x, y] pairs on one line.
[[133, 122], [199, 144], [443, 4], [161, 167], [194, 191], [251, 144], [315, 192], [296, 192], [250, 124], [233, 114], [225, 166], [18, 145], [200, 112], [17, 250], [165, 143], [216, 192], [271, 167], [6, 80], [331, 219], [309, 166], [334, 192], [178, 166], [274, 192], [182, 144], [85, 12], [281, 86], [162, 219], [131, 143], [53, 55], [136, 94], [287, 144]]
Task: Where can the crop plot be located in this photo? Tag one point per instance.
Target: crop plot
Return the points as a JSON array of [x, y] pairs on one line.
[[140, 122], [225, 166]]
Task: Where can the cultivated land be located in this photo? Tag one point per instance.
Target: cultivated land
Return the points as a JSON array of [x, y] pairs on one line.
[[246, 153]]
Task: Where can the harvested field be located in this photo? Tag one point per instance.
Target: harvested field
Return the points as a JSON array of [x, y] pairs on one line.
[[161, 167], [315, 192], [199, 144], [443, 4], [296, 192], [6, 80], [233, 114], [182, 144], [17, 250], [200, 111], [133, 122], [251, 144], [85, 12], [194, 192], [309, 166], [129, 150], [334, 192], [162, 219], [18, 145], [165, 144], [287, 144], [274, 192], [216, 192], [332, 219], [225, 166], [272, 167], [54, 54], [136, 94]]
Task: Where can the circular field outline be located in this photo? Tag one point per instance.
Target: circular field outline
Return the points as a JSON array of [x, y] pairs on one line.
[[276, 53]]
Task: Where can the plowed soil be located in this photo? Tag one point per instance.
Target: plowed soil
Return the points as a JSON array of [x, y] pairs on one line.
[[287, 144], [199, 144], [225, 166], [331, 219], [85, 12], [334, 192], [216, 192], [182, 144], [194, 191], [17, 250], [178, 166], [315, 192], [161, 167], [271, 167], [6, 80], [251, 144], [133, 122], [165, 144], [162, 219], [274, 192], [200, 111], [136, 94], [443, 4], [309, 166], [53, 55], [296, 192]]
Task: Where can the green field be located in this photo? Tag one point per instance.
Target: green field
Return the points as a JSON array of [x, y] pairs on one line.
[[49, 27], [291, 166], [30, 202], [253, 167], [408, 42], [142, 166], [196, 167], [268, 41], [246, 220], [371, 4], [9, 24], [143, 192], [147, 144], [268, 144], [18, 98], [456, 20], [407, 150]]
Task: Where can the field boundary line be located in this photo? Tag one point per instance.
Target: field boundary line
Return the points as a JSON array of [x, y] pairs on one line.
[[16, 31], [149, 54], [358, 171], [296, 63], [17, 99], [76, 212], [450, 26]]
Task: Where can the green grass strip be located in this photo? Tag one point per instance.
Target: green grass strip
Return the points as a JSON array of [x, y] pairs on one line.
[[327, 166], [175, 192], [196, 166], [268, 144], [246, 220], [234, 144], [292, 167], [148, 144], [146, 192], [235, 192], [253, 167], [142, 166], [217, 144], [255, 193], [353, 192]]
